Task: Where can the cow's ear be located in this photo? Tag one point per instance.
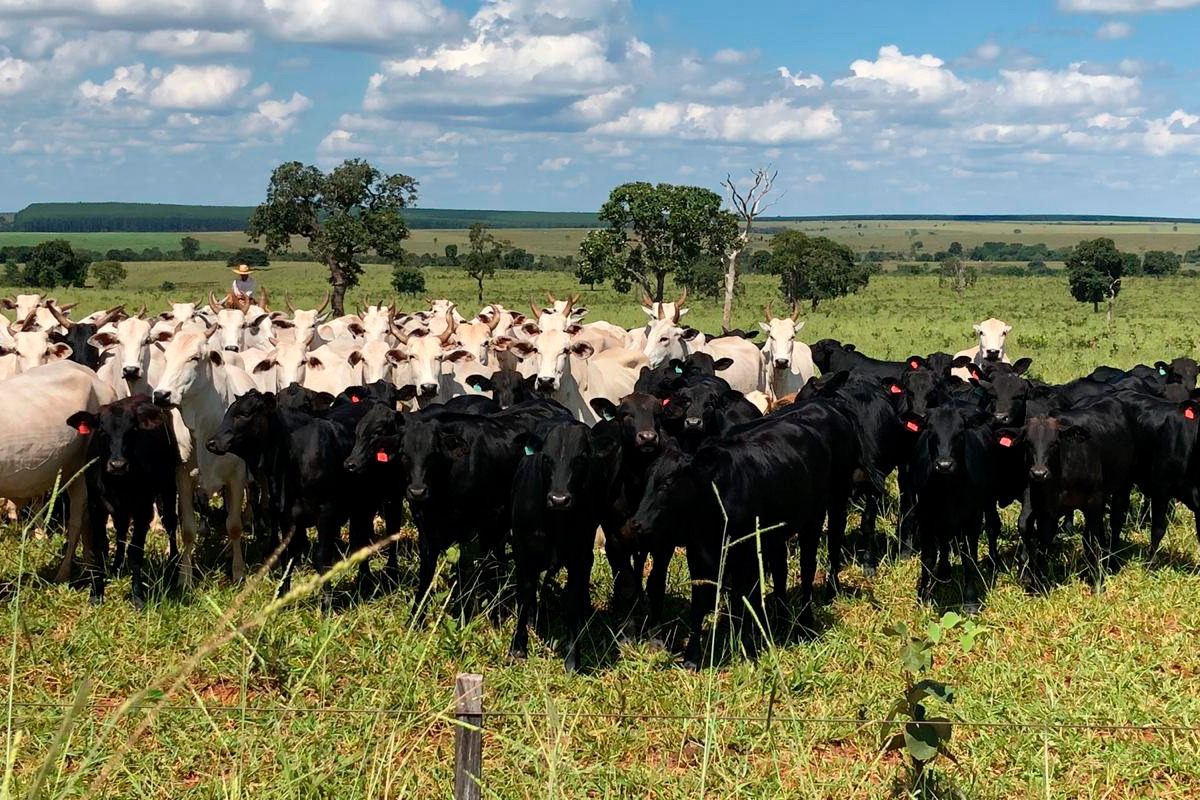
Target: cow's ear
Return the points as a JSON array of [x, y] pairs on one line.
[[960, 361], [454, 445], [454, 356], [1022, 365], [83, 421], [215, 357], [324, 399], [850, 348], [100, 341], [649, 312], [722, 364], [162, 337], [326, 332], [978, 330], [573, 329], [355, 358], [356, 328], [522, 349], [531, 329], [150, 417], [59, 351], [5, 350], [500, 343], [765, 327], [689, 334], [528, 442], [729, 397], [480, 383], [892, 386], [315, 363], [604, 408], [913, 422], [1009, 437], [1075, 433], [264, 365], [582, 350], [282, 323], [916, 362], [407, 392], [396, 357]]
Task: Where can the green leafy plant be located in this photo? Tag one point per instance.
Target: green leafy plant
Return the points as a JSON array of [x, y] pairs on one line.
[[909, 726]]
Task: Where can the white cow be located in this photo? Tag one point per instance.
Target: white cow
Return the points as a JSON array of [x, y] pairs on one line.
[[304, 321], [230, 324], [31, 347], [426, 355], [787, 364], [333, 367], [572, 373], [991, 335], [745, 374], [198, 382], [131, 355], [666, 339], [474, 336], [36, 444], [636, 338]]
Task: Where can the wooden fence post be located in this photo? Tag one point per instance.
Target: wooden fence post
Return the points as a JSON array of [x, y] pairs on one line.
[[468, 736]]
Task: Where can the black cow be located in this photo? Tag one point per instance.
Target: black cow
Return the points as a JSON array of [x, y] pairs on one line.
[[507, 385], [557, 494], [738, 332], [133, 454], [705, 406], [302, 458], [1079, 459], [951, 476], [458, 469], [772, 475], [831, 356], [79, 334], [666, 378]]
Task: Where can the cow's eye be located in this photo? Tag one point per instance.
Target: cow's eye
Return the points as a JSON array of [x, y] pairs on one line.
[[665, 339]]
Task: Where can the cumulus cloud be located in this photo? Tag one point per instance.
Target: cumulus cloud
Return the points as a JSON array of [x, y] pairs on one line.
[[127, 83], [924, 77], [1045, 89], [16, 75], [602, 105], [729, 55], [204, 87], [1110, 31], [277, 116], [555, 164], [800, 80], [192, 42], [773, 122], [993, 133]]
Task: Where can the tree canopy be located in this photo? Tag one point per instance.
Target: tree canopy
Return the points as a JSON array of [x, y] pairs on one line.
[[815, 268], [54, 263], [1157, 263], [349, 211], [1094, 270], [484, 253], [652, 231]]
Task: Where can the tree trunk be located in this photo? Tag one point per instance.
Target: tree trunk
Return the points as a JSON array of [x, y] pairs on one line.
[[479, 283], [337, 279], [730, 281], [660, 280], [1095, 306]]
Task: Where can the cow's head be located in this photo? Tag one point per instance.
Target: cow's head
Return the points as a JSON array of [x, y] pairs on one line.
[[129, 344], [677, 496], [424, 354], [991, 334], [377, 321], [427, 450], [1044, 438], [244, 429], [1181, 370], [552, 351], [1006, 392], [376, 439], [566, 460], [639, 417], [189, 359], [32, 346], [781, 333], [121, 429], [508, 387], [230, 325]]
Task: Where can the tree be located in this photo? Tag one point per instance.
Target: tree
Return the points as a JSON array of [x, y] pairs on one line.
[[955, 249], [452, 255], [54, 263], [343, 214], [747, 206], [816, 268], [189, 246], [1094, 269], [108, 274], [1158, 263], [12, 275], [250, 256], [484, 253], [408, 280], [705, 277], [652, 229], [958, 275]]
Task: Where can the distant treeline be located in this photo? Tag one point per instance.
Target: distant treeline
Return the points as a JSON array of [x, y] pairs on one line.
[[162, 218], [977, 218]]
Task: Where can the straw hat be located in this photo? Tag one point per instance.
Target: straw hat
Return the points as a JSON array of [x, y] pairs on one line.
[[242, 271]]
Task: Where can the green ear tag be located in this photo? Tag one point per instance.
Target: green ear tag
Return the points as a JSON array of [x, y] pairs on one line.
[[529, 450], [978, 391], [679, 370], [476, 387], [1162, 370], [608, 416]]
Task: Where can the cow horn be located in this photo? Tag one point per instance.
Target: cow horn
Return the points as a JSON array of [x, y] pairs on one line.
[[795, 312], [324, 303], [682, 299], [62, 318], [68, 306], [550, 297], [647, 300], [287, 302], [567, 308], [537, 312], [112, 315], [492, 319], [141, 311], [210, 330], [445, 336], [767, 311], [29, 321], [265, 303], [212, 302]]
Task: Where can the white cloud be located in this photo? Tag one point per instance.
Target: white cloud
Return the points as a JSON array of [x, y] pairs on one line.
[[183, 43], [1110, 31], [726, 87], [16, 75], [800, 80], [992, 133], [1124, 6], [858, 165], [1109, 121], [815, 177], [555, 164], [1044, 89], [1179, 132], [773, 122], [988, 51], [602, 105], [354, 20], [729, 55], [343, 143], [894, 73], [277, 116], [204, 87], [127, 83]]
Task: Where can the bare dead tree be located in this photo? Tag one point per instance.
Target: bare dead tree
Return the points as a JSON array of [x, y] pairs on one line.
[[746, 205]]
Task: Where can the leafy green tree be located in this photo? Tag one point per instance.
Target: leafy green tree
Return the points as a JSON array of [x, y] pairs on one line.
[[955, 249], [12, 274], [108, 274], [484, 254], [452, 255], [408, 280], [189, 246], [653, 230], [1158, 263], [1131, 265], [816, 268], [958, 275], [704, 277], [1094, 269], [344, 214], [54, 263], [250, 256]]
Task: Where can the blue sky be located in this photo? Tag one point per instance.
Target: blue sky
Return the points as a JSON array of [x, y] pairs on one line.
[[1053, 106]]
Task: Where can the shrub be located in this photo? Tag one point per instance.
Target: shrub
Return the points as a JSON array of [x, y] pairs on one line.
[[408, 280], [108, 274]]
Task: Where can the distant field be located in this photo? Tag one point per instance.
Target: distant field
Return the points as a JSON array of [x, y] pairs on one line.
[[890, 235]]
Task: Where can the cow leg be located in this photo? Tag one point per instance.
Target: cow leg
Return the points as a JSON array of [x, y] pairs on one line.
[[1093, 543], [137, 553], [120, 524], [779, 576], [527, 598], [362, 526], [97, 552], [234, 492], [866, 529], [393, 518], [992, 520], [745, 600], [1026, 526], [328, 531], [77, 525], [293, 548], [427, 554], [578, 601], [969, 553], [809, 544], [1117, 516], [702, 567], [837, 533], [168, 514], [929, 562], [1158, 521], [187, 524], [909, 524], [656, 583]]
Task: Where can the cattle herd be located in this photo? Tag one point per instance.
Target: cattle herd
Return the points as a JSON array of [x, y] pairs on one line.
[[520, 436]]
